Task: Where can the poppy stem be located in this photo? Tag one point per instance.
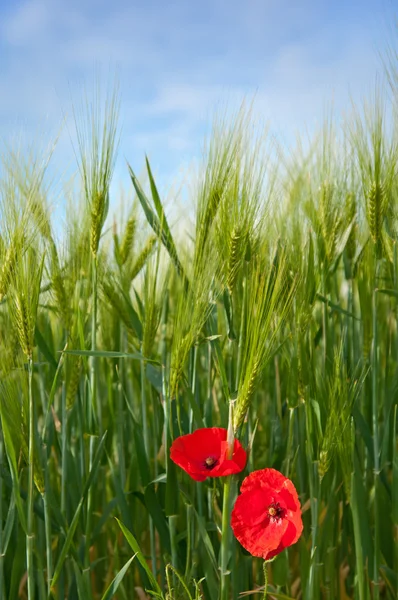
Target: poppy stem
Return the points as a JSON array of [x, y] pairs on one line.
[[225, 539], [265, 570]]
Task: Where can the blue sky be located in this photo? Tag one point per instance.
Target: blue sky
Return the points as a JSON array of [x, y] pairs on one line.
[[176, 61]]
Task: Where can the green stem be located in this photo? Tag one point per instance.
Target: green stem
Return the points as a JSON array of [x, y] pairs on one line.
[[289, 446], [29, 535], [173, 542], [47, 518], [93, 403], [312, 587], [155, 431], [93, 359], [63, 447], [265, 571], [225, 540], [208, 404], [47, 525], [241, 333], [147, 451], [2, 591], [375, 432], [144, 411], [89, 516], [193, 375], [120, 430], [188, 562], [199, 487], [324, 323]]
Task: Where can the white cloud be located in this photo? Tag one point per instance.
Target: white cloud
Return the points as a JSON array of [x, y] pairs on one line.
[[176, 61]]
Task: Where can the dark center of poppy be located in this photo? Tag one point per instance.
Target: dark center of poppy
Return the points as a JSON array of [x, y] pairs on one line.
[[275, 511], [210, 462]]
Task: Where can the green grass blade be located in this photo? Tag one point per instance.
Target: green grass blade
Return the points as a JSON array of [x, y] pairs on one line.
[[76, 516], [111, 590], [12, 461], [155, 223], [42, 344], [163, 221], [141, 558], [105, 354], [81, 583], [394, 487], [158, 516], [207, 543], [67, 543], [362, 534]]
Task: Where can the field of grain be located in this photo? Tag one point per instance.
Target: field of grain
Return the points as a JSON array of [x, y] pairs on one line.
[[274, 317]]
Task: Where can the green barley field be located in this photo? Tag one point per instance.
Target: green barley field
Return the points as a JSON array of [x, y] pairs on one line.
[[269, 311]]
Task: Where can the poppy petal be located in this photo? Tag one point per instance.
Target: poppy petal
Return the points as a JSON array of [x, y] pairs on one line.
[[266, 517], [203, 454], [260, 540]]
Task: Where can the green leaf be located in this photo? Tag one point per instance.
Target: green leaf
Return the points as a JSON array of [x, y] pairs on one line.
[[181, 580], [141, 307], [394, 485], [195, 409], [163, 221], [317, 412], [158, 517], [154, 221], [18, 568], [52, 393], [211, 332], [9, 524], [390, 576], [44, 349], [81, 582], [171, 486], [280, 569], [142, 459], [336, 307], [387, 292], [134, 318], [95, 464], [76, 516], [229, 314], [310, 285], [105, 354], [154, 376], [67, 543], [141, 558], [207, 542], [364, 430], [117, 580], [342, 242], [362, 533], [12, 461]]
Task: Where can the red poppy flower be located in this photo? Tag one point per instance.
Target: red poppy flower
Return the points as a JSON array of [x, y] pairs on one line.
[[266, 517], [203, 454]]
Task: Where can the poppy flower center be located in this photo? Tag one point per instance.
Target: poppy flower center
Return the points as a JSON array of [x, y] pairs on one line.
[[275, 511], [210, 462]]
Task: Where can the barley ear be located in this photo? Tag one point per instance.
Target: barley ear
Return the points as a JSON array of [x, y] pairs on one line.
[[97, 136], [6, 270], [143, 257], [24, 298], [246, 395], [235, 256], [75, 364], [128, 239], [351, 214], [375, 210]]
